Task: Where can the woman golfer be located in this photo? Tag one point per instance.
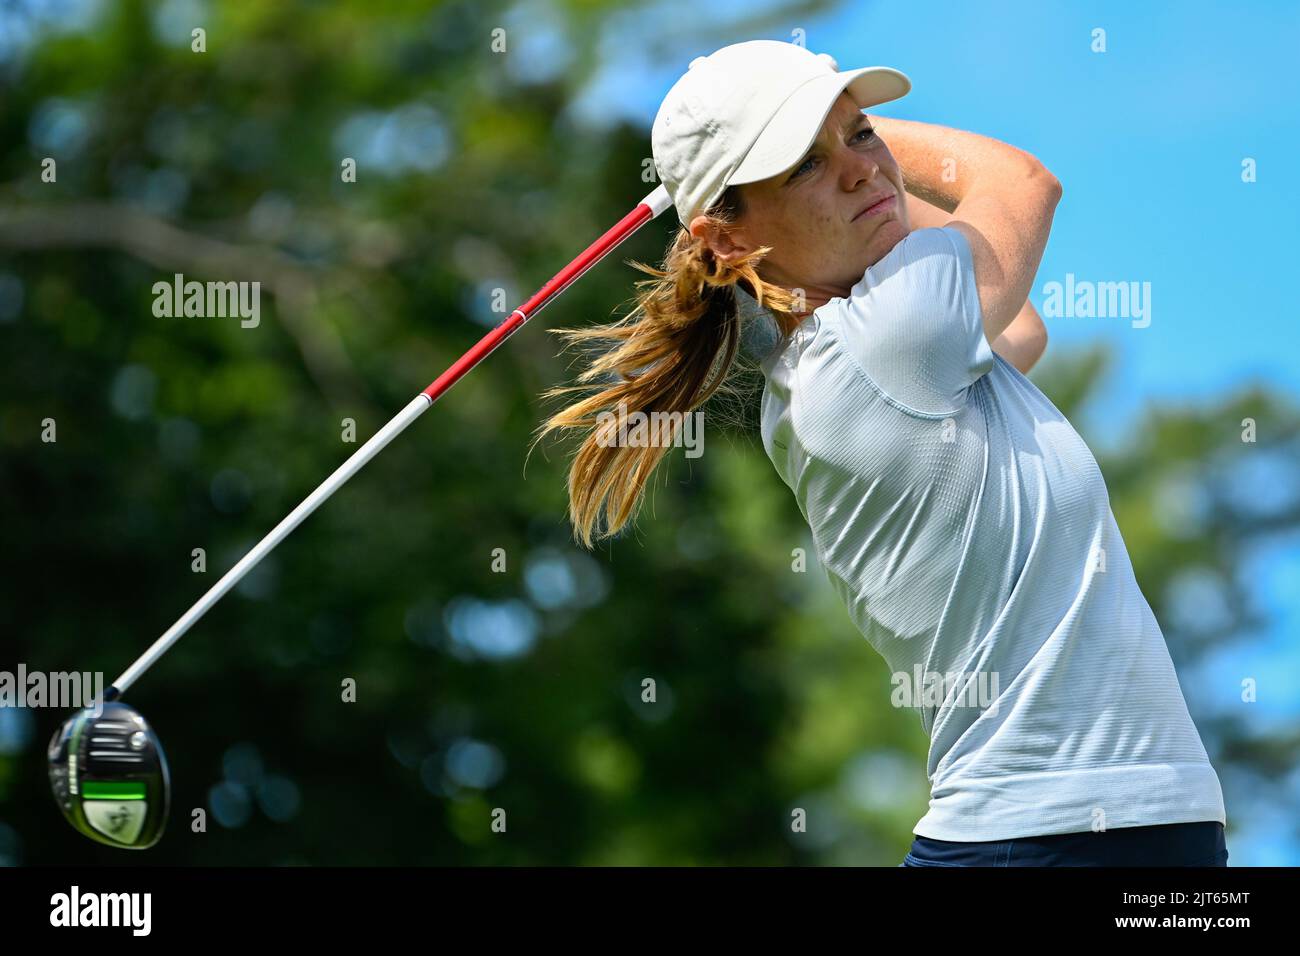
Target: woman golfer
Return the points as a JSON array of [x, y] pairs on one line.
[[958, 514]]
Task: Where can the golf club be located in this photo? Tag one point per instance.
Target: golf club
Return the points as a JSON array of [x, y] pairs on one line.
[[107, 767]]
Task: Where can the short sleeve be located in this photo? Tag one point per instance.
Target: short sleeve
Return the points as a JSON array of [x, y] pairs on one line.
[[914, 322]]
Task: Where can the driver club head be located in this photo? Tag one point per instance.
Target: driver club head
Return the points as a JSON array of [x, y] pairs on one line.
[[109, 776]]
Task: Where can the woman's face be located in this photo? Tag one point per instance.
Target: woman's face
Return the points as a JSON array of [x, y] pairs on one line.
[[812, 214]]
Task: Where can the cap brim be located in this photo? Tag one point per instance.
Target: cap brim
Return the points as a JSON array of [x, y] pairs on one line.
[[795, 126]]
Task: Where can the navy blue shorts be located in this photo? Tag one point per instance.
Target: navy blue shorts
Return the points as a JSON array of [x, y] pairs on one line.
[[1173, 844]]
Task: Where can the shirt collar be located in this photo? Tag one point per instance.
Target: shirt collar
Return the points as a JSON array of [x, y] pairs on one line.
[[760, 334]]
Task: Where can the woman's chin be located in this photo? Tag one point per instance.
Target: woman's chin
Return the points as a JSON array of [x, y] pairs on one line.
[[884, 239]]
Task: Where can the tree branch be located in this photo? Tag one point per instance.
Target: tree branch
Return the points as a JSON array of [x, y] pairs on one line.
[[297, 289]]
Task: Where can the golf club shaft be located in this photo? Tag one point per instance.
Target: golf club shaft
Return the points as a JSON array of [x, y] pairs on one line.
[[647, 209]]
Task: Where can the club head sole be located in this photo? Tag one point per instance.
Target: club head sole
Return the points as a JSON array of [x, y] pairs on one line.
[[110, 777]]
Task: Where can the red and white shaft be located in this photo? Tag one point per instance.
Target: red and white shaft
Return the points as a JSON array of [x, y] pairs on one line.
[[647, 209]]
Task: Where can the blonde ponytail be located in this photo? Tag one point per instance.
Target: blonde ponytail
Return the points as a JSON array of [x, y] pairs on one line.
[[673, 351]]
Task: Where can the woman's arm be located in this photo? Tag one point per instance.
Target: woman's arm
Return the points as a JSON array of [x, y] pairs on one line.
[[1002, 198], [1021, 343]]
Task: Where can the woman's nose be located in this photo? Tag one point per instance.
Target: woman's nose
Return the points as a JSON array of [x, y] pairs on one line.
[[859, 167]]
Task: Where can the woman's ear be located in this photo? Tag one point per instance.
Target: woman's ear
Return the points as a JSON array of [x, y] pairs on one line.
[[724, 243]]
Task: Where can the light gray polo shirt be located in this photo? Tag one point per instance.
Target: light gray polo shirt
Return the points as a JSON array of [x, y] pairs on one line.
[[968, 530]]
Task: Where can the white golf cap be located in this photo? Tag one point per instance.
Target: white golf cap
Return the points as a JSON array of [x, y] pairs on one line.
[[749, 111]]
